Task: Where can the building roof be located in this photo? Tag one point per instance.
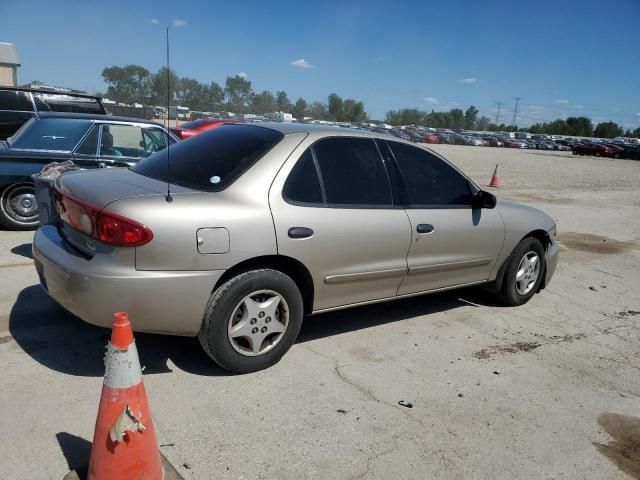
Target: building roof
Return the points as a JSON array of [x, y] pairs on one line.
[[8, 54]]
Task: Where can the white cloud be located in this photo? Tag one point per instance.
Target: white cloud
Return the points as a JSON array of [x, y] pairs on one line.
[[243, 75], [432, 100], [579, 107], [155, 21], [179, 23], [535, 108], [454, 104], [302, 63], [562, 102], [638, 114], [469, 80]]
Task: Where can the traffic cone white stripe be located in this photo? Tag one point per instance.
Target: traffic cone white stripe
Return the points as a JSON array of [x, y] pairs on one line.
[[122, 367]]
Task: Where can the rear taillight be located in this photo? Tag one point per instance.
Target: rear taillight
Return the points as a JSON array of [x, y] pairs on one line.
[[104, 226]]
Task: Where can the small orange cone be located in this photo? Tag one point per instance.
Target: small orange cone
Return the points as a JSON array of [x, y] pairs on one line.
[[124, 442], [495, 179]]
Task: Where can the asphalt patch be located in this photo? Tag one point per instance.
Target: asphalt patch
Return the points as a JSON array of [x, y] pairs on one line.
[[587, 242], [624, 449]]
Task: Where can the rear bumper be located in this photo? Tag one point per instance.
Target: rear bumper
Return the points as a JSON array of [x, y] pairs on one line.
[[171, 302], [551, 260]]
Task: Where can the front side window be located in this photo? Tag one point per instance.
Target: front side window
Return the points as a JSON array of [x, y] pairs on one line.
[[429, 181], [60, 134], [15, 100], [352, 172], [303, 184], [122, 141]]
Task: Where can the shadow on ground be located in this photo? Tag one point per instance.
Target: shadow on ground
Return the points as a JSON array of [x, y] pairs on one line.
[[24, 250], [76, 451], [60, 341], [624, 449]]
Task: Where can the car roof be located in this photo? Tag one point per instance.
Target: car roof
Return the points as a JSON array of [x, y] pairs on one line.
[[290, 128], [93, 116], [51, 91]]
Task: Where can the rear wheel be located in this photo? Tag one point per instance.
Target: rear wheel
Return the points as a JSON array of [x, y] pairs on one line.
[[18, 207], [524, 272], [252, 320]]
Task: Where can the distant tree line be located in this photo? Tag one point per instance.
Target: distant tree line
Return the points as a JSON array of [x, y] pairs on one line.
[[469, 120], [135, 84]]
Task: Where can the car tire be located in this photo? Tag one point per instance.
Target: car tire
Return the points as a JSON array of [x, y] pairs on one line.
[[236, 320], [18, 207], [521, 279]]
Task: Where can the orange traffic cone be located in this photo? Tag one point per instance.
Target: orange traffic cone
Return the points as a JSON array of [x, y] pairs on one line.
[[124, 442], [495, 179]]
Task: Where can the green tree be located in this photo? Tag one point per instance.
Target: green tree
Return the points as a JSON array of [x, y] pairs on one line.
[[213, 97], [608, 130], [353, 111], [299, 110], [579, 126], [483, 123], [470, 117], [238, 93], [159, 87], [128, 84], [263, 103], [457, 118], [283, 104], [335, 106], [318, 111]]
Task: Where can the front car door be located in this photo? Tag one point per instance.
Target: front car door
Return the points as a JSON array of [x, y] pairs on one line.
[[334, 211], [453, 243]]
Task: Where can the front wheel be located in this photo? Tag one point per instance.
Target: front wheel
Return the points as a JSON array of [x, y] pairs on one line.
[[18, 207], [524, 272], [252, 320]]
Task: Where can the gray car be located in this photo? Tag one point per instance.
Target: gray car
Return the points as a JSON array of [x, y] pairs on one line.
[[242, 231]]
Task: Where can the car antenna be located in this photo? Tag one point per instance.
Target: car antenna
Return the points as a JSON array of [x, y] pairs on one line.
[[168, 198]]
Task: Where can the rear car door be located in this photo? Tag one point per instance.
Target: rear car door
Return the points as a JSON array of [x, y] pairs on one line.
[[452, 243], [335, 211]]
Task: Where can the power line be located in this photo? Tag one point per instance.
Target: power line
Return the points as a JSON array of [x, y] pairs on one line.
[[515, 110]]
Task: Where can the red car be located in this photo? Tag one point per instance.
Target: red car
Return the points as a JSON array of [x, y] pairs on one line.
[[189, 129], [593, 149], [429, 138], [510, 143]]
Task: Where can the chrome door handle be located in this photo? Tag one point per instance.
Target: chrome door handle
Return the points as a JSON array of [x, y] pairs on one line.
[[425, 228]]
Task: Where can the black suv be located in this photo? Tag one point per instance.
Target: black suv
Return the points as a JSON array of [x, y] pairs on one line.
[[17, 105]]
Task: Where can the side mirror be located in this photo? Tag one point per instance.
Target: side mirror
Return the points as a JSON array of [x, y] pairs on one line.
[[484, 199]]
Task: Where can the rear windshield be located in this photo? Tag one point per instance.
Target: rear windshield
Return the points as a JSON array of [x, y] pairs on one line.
[[61, 134], [57, 102], [213, 160]]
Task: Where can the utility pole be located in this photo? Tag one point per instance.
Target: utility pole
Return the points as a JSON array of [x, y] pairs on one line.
[[515, 110], [498, 112]]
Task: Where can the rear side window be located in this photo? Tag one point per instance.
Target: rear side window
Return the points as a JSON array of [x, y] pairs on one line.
[[52, 134], [352, 172], [89, 145], [56, 102], [429, 181], [303, 184], [12, 100], [213, 160]]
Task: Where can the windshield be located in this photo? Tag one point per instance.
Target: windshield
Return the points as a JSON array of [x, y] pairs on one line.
[[59, 134], [212, 160]]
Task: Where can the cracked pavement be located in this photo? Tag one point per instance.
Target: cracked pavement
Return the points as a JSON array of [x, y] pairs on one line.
[[547, 390]]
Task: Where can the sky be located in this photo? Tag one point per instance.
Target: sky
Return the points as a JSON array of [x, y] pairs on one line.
[[562, 57]]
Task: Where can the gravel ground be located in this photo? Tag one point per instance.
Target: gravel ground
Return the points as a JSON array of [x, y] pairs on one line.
[[547, 390]]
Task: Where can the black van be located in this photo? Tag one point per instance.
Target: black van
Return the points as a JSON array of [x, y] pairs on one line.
[[17, 105]]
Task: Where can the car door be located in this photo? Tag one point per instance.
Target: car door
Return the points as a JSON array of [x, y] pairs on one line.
[[334, 211], [453, 243]]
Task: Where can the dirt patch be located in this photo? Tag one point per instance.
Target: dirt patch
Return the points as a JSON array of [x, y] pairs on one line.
[[586, 242], [511, 348], [528, 197], [364, 354], [5, 339], [624, 449], [627, 313]]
